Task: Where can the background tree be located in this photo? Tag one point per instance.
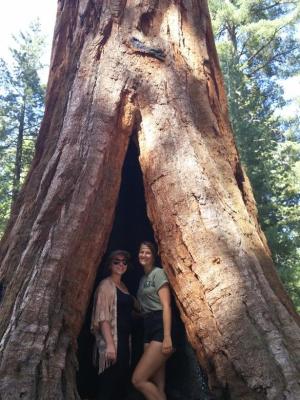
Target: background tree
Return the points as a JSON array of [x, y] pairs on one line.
[[257, 45], [22, 107]]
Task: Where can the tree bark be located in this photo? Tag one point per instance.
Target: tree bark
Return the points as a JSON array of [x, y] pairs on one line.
[[151, 64]]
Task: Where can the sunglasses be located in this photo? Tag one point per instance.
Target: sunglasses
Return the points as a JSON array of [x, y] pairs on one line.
[[116, 262]]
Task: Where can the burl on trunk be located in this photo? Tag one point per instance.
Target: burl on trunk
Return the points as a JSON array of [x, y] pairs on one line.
[[152, 66]]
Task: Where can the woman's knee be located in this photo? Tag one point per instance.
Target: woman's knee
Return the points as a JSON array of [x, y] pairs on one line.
[[137, 381]]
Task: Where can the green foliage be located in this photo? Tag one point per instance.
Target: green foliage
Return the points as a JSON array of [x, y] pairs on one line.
[[21, 110], [257, 45]]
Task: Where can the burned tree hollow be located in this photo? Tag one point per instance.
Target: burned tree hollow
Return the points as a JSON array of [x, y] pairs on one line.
[[153, 64], [131, 226]]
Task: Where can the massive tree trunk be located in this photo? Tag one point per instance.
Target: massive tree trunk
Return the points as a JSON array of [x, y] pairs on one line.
[[151, 66]]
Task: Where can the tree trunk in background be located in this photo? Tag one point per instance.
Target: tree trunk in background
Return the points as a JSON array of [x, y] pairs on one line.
[[152, 64], [19, 154]]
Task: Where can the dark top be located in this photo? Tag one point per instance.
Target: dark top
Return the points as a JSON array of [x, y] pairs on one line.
[[124, 312]]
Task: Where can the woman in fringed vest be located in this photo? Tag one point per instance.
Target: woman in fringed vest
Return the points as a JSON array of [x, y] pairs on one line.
[[111, 326]]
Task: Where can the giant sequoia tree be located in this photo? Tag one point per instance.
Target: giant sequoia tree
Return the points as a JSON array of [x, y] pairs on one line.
[[149, 67]]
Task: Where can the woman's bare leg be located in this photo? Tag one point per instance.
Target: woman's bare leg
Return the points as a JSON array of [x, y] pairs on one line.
[[159, 379], [159, 376], [149, 365]]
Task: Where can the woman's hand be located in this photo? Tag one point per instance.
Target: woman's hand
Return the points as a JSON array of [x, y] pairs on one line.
[[167, 347], [110, 353], [137, 311], [110, 350], [136, 305]]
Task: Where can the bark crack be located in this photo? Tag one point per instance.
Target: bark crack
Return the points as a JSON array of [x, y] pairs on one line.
[[157, 179], [117, 8], [145, 21], [106, 32]]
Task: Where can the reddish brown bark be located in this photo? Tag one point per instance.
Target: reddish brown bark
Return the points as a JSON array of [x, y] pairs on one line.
[[115, 65]]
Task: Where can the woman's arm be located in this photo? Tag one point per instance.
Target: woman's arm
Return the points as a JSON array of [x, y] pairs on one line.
[[165, 299], [110, 351], [102, 314], [136, 304], [136, 312]]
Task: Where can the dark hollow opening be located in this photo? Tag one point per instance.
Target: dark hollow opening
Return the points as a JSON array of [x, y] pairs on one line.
[[184, 380]]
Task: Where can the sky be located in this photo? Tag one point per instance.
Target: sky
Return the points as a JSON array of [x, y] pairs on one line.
[[16, 15]]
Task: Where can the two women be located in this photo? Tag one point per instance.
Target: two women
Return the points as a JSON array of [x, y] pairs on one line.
[[110, 312]]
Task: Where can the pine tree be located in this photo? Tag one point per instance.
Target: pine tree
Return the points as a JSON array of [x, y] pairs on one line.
[[22, 105], [257, 46]]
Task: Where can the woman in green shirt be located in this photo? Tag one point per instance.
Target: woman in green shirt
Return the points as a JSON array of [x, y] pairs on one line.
[[155, 299]]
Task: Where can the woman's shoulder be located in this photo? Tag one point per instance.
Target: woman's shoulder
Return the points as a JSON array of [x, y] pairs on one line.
[[159, 273], [159, 270], [106, 284]]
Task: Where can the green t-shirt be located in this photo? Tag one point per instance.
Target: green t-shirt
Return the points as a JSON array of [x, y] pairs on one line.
[[149, 286]]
